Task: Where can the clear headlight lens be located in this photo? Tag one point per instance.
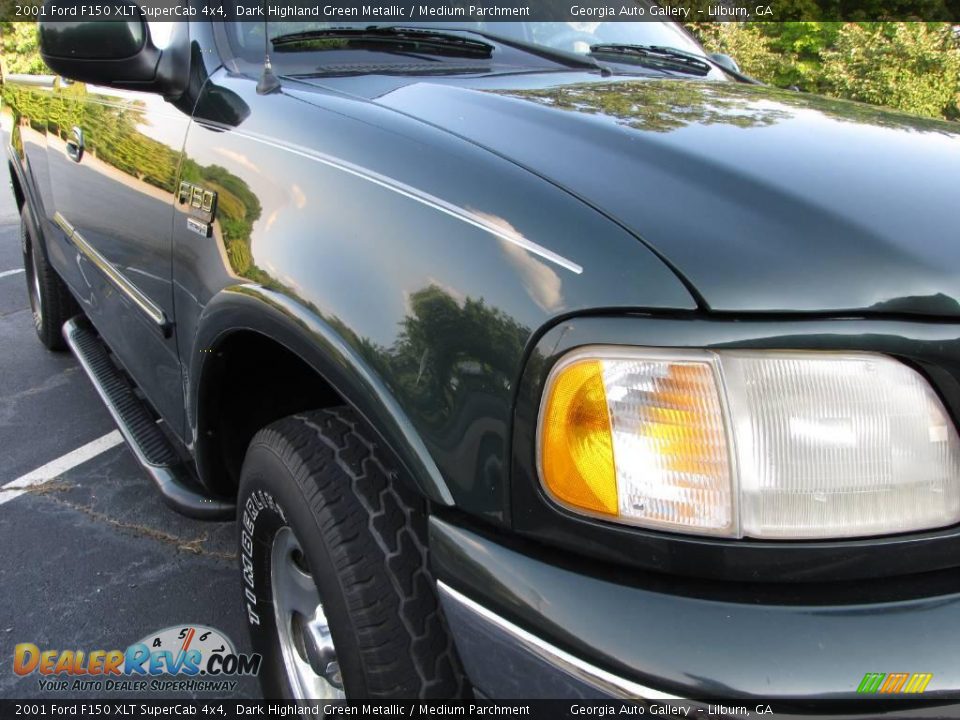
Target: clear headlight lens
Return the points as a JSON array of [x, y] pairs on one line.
[[760, 444]]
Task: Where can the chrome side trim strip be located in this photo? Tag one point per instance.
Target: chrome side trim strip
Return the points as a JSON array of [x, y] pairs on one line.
[[584, 671], [48, 82], [462, 214], [64, 224], [119, 280]]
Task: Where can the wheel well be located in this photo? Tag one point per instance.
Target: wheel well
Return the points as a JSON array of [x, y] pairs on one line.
[[250, 382], [17, 190]]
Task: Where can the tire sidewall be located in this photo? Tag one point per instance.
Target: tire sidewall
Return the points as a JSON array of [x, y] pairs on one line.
[[32, 262], [54, 304], [25, 240], [271, 499]]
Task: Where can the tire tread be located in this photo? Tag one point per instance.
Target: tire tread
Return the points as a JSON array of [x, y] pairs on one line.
[[372, 520], [58, 304]]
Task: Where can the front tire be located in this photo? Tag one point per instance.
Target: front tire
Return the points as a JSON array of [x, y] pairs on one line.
[[50, 301], [333, 552]]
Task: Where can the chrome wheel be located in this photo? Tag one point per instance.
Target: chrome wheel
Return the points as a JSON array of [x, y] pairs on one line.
[[309, 657]]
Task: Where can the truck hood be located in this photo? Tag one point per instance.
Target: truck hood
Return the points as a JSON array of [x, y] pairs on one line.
[[763, 200]]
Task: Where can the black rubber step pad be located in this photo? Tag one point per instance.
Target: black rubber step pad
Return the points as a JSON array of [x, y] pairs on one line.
[[148, 437]]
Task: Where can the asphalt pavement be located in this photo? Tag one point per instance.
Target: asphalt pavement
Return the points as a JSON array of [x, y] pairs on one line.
[[91, 559]]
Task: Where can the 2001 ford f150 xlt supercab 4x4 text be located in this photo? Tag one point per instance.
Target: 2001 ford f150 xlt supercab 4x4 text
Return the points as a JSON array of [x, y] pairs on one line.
[[533, 359]]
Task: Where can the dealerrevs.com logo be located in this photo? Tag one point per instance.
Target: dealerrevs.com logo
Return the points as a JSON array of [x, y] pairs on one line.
[[182, 658]]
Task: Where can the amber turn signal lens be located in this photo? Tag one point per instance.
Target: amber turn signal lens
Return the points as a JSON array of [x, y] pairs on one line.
[[576, 443], [640, 437]]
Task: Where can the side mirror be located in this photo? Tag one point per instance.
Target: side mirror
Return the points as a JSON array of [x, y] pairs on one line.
[[726, 62], [115, 53]]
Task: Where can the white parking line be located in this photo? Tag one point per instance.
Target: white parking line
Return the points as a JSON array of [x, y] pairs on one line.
[[5, 273], [55, 468]]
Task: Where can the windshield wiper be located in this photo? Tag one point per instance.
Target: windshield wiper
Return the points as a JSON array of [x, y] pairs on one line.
[[410, 39], [657, 53], [439, 39], [569, 59]]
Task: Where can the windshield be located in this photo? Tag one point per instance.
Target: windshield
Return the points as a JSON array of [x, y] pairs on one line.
[[569, 37]]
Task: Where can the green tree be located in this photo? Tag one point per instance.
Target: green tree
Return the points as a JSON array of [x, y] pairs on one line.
[[19, 49], [914, 67], [799, 47], [745, 42]]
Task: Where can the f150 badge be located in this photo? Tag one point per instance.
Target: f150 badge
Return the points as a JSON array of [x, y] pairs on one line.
[[201, 204]]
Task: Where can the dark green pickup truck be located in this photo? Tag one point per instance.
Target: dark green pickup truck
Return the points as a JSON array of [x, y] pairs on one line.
[[532, 359]]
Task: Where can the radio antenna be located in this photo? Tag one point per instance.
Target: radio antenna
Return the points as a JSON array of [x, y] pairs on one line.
[[268, 82]]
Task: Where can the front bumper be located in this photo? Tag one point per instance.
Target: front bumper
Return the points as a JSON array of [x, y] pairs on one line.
[[505, 661], [527, 628]]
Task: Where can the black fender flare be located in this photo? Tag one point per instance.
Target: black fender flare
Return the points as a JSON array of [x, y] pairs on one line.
[[29, 199], [303, 332]]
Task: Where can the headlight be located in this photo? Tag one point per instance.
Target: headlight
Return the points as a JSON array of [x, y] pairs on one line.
[[749, 443]]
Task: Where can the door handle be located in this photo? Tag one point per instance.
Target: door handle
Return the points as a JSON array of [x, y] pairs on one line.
[[75, 146]]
